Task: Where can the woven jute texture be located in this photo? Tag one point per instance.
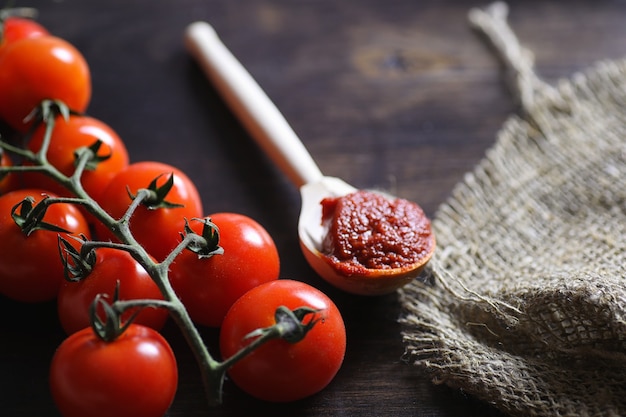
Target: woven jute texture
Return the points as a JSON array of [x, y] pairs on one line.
[[524, 302]]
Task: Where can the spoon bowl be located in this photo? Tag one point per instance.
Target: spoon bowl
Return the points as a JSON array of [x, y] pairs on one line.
[[271, 131]]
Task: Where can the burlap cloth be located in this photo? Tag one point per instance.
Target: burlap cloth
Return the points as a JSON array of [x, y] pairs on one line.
[[524, 301]]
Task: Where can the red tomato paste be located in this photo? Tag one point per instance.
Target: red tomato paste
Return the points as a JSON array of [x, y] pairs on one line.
[[367, 230]]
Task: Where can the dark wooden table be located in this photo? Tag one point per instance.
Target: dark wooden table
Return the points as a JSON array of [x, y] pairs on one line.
[[399, 95]]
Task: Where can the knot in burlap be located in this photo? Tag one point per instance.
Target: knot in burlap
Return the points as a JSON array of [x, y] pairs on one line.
[[524, 301]]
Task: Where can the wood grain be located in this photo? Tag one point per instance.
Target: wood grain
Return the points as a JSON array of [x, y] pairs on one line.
[[398, 95]]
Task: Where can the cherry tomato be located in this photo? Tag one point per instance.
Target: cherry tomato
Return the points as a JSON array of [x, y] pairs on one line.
[[133, 376], [67, 137], [37, 68], [111, 266], [209, 286], [30, 267], [8, 180], [157, 230], [15, 28], [280, 371]]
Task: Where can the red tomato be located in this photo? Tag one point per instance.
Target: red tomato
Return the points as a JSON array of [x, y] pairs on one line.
[[15, 28], [280, 371], [111, 266], [133, 376], [37, 68], [69, 135], [8, 181], [30, 267], [157, 230], [209, 286]]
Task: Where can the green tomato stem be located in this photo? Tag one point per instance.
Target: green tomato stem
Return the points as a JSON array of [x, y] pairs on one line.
[[213, 372]]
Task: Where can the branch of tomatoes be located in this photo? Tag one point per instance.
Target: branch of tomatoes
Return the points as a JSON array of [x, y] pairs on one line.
[[238, 291], [291, 325]]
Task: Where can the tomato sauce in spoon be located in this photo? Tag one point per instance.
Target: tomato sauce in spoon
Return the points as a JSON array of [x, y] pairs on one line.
[[367, 230]]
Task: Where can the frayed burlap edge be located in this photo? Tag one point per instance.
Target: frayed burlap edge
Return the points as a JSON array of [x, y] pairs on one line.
[[524, 302]]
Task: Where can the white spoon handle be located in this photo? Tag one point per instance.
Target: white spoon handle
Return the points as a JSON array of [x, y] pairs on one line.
[[252, 106]]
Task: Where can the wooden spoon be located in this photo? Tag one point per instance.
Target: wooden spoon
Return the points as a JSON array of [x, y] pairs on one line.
[[269, 128]]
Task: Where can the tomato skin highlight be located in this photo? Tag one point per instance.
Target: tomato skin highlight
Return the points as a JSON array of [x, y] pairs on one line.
[[157, 230], [67, 137], [111, 266], [134, 376], [209, 286], [279, 371], [30, 267], [36, 68]]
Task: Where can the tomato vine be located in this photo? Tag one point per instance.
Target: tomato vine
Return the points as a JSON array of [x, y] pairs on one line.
[[291, 325]]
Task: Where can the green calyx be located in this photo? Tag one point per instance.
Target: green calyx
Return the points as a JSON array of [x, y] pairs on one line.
[[77, 264], [47, 111], [290, 324], [106, 317], [209, 244], [156, 194], [94, 158], [106, 320], [29, 217]]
